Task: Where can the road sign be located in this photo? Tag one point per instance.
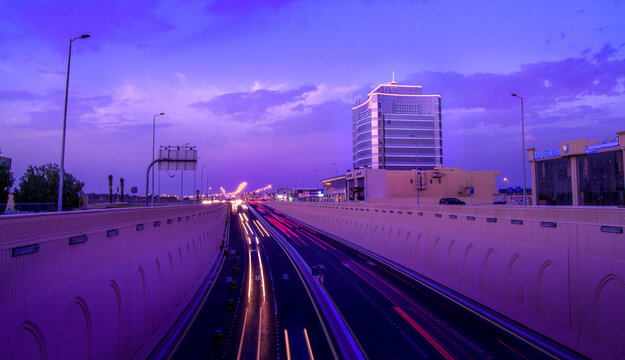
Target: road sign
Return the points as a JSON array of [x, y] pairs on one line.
[[518, 190], [510, 190], [471, 190], [178, 158], [134, 189]]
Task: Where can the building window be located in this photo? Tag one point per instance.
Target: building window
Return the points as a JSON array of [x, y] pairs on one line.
[[601, 179], [553, 180]]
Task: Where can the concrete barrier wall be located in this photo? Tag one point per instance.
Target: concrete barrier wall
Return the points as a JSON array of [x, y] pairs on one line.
[[559, 271], [112, 296]]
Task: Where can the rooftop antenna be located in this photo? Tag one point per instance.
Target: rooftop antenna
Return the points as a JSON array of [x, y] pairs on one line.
[[393, 82]]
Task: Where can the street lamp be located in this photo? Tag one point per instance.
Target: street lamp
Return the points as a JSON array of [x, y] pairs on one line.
[[62, 171], [303, 184], [507, 181], [336, 171], [523, 148], [153, 137], [317, 173], [202, 180], [417, 165]]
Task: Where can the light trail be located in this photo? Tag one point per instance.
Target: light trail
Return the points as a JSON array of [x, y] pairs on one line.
[[249, 240], [308, 345], [288, 346], [249, 283], [245, 216], [262, 275], [242, 335], [425, 334], [257, 243]]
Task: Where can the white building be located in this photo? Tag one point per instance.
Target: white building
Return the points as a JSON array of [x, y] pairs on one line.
[[397, 128]]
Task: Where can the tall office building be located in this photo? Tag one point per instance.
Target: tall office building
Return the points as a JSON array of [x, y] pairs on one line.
[[397, 128]]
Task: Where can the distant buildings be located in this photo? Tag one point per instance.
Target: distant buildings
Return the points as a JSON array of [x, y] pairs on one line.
[[396, 186], [580, 172], [397, 128]]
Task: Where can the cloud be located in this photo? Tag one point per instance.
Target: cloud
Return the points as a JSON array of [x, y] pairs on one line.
[[541, 83], [252, 106], [243, 7]]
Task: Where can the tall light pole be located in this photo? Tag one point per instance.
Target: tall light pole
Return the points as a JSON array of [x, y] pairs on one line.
[[317, 173], [59, 206], [336, 171], [202, 180], [303, 184], [153, 137], [523, 148], [417, 166]]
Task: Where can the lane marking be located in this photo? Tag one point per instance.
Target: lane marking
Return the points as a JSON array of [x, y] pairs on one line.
[[308, 345], [260, 323]]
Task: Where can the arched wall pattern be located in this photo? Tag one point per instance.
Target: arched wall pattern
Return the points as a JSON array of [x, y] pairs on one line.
[[556, 270], [122, 298]]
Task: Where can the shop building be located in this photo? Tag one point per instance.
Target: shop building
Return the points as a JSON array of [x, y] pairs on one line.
[[580, 172]]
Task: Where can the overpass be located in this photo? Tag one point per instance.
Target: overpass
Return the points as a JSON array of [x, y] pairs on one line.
[[557, 270]]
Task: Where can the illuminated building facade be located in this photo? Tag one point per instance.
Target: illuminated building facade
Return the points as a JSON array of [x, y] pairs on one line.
[[580, 172], [397, 128]]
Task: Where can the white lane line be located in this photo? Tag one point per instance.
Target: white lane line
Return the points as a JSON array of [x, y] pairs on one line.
[[260, 323]]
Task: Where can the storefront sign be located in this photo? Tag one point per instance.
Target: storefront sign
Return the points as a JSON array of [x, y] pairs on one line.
[[604, 143], [547, 153]]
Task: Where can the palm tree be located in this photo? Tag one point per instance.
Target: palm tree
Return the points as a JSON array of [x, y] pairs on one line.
[[110, 188], [121, 186]]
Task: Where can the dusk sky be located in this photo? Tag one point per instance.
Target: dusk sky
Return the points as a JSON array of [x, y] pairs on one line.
[[265, 89]]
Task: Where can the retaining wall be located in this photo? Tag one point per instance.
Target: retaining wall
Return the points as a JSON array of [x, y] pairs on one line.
[[102, 284], [559, 271]]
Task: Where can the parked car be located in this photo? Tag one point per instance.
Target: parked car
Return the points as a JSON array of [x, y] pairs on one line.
[[500, 199], [451, 201]]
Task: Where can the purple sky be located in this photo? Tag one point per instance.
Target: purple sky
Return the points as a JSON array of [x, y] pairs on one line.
[[265, 89]]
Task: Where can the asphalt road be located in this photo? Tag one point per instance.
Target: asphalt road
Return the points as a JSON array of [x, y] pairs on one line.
[[272, 315], [392, 315]]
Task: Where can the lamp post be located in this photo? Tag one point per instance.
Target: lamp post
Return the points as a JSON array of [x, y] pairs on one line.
[[153, 137], [336, 171], [59, 206], [317, 173], [202, 180], [417, 166], [523, 147], [303, 184], [507, 182]]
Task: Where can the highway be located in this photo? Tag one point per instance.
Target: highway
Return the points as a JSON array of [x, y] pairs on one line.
[[272, 315], [394, 316]]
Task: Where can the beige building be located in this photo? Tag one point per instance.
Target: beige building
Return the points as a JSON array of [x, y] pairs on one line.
[[400, 186], [580, 172]]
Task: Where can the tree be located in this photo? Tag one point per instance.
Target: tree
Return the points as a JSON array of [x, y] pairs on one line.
[[121, 186], [110, 189], [40, 186], [6, 181]]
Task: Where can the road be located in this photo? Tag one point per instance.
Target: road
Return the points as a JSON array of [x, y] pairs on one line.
[[272, 314], [392, 315]]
